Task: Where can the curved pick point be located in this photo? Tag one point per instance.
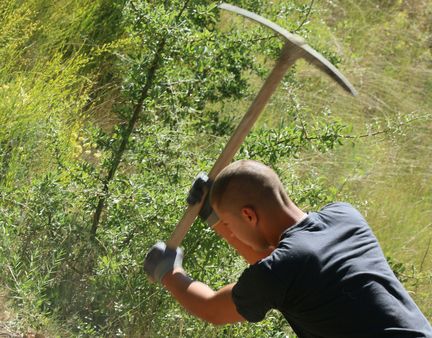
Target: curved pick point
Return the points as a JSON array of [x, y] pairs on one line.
[[315, 58], [307, 52]]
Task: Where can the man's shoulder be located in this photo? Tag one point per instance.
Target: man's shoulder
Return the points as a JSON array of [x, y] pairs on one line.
[[342, 211], [338, 205]]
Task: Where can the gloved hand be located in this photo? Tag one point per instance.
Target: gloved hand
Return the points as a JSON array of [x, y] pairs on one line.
[[195, 195], [160, 259]]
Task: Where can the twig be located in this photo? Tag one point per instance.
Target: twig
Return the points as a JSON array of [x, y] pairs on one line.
[[306, 17], [425, 254], [118, 155]]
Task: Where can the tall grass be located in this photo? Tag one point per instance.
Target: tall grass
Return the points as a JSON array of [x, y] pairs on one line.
[[49, 50]]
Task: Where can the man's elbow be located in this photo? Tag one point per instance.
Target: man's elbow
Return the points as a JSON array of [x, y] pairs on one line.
[[220, 318], [215, 320]]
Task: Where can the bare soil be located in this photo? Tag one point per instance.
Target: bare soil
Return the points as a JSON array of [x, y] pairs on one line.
[[5, 317]]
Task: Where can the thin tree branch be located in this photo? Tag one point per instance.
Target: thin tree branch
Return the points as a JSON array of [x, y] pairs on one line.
[[117, 156], [425, 254], [305, 19], [376, 133]]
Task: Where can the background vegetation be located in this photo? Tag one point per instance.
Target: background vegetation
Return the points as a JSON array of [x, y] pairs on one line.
[[109, 108]]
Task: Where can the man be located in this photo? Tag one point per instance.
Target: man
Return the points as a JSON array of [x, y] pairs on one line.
[[324, 270]]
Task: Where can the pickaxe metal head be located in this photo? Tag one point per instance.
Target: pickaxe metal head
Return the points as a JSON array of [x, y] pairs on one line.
[[295, 48]]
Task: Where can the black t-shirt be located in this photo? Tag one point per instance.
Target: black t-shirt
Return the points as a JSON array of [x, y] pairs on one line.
[[329, 278]]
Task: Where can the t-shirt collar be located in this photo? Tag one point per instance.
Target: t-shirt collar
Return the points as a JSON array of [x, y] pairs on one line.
[[292, 227]]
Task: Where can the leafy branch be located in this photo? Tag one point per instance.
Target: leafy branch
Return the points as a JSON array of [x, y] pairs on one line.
[[118, 154]]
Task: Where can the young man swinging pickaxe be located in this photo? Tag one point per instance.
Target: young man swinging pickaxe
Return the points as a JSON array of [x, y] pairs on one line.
[[324, 271]]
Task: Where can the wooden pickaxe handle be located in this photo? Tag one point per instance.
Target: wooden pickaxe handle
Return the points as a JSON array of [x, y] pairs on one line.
[[295, 48], [287, 58]]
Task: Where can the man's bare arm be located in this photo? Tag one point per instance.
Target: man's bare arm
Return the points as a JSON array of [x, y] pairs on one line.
[[216, 307]]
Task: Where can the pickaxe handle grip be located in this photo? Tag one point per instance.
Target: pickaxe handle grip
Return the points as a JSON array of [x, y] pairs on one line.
[[290, 53]]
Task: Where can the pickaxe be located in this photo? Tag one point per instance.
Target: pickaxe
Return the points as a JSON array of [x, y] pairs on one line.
[[294, 49]]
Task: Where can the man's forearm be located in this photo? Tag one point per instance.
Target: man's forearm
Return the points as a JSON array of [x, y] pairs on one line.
[[189, 293], [200, 300]]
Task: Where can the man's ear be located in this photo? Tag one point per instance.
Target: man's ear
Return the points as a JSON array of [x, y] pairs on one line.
[[249, 214]]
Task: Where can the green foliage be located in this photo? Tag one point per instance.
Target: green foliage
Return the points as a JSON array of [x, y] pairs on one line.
[[116, 105], [270, 145]]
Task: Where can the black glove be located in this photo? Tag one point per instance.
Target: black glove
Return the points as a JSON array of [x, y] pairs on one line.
[[195, 196], [161, 259]]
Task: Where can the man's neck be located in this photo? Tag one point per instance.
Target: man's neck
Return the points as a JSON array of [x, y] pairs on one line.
[[282, 219]]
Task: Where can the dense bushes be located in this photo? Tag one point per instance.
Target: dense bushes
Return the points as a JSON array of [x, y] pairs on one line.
[[108, 109]]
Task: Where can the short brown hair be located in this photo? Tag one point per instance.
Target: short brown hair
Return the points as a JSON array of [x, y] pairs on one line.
[[246, 183]]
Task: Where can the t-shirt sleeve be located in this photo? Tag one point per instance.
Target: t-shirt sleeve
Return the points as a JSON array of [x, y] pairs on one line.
[[256, 292]]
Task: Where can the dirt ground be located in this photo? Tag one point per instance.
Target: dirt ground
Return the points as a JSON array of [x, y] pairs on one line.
[[5, 320], [8, 322]]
